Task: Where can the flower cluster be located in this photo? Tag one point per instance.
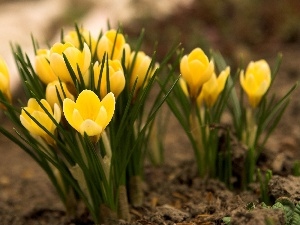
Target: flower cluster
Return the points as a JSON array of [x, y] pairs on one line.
[[84, 121], [200, 100]]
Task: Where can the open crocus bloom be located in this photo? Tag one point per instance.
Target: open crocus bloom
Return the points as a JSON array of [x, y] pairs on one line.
[[213, 87], [37, 112], [76, 58], [196, 69], [4, 80], [256, 81], [88, 114]]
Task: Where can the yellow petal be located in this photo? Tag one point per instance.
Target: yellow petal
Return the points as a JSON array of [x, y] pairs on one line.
[[73, 55], [25, 120], [88, 104], [59, 48], [57, 90], [117, 83], [43, 68], [56, 113], [108, 102], [77, 120], [68, 109], [46, 105], [101, 118], [59, 67], [222, 78], [87, 57], [33, 104], [90, 128], [185, 71], [44, 120], [198, 54], [4, 68]]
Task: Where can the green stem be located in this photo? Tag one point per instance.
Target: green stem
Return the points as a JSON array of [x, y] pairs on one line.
[[107, 215], [78, 175], [136, 191], [251, 143], [123, 207], [106, 160], [251, 129], [197, 136]]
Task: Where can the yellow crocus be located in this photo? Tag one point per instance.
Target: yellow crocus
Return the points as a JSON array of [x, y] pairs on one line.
[[43, 68], [76, 58], [37, 112], [88, 114], [116, 77], [139, 64], [54, 88], [4, 80], [256, 81], [113, 44], [196, 69], [86, 36], [213, 87]]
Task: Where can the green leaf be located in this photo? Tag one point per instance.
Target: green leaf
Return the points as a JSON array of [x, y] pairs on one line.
[[296, 215], [227, 220], [287, 206]]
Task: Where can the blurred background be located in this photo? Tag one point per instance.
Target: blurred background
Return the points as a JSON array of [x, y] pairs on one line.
[[240, 30]]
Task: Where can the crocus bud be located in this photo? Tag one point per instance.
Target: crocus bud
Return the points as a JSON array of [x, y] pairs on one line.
[[88, 114], [113, 44], [76, 58], [213, 87], [86, 37], [43, 68], [39, 114], [256, 81], [115, 74], [139, 64], [196, 69], [56, 91], [4, 80]]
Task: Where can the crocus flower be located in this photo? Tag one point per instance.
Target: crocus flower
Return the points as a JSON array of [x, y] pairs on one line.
[[196, 69], [115, 74], [256, 81], [36, 111], [4, 80], [213, 87], [140, 63], [86, 36], [113, 44], [43, 68], [76, 58], [88, 114], [54, 88]]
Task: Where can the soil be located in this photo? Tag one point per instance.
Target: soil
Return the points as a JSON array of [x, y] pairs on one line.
[[174, 194]]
